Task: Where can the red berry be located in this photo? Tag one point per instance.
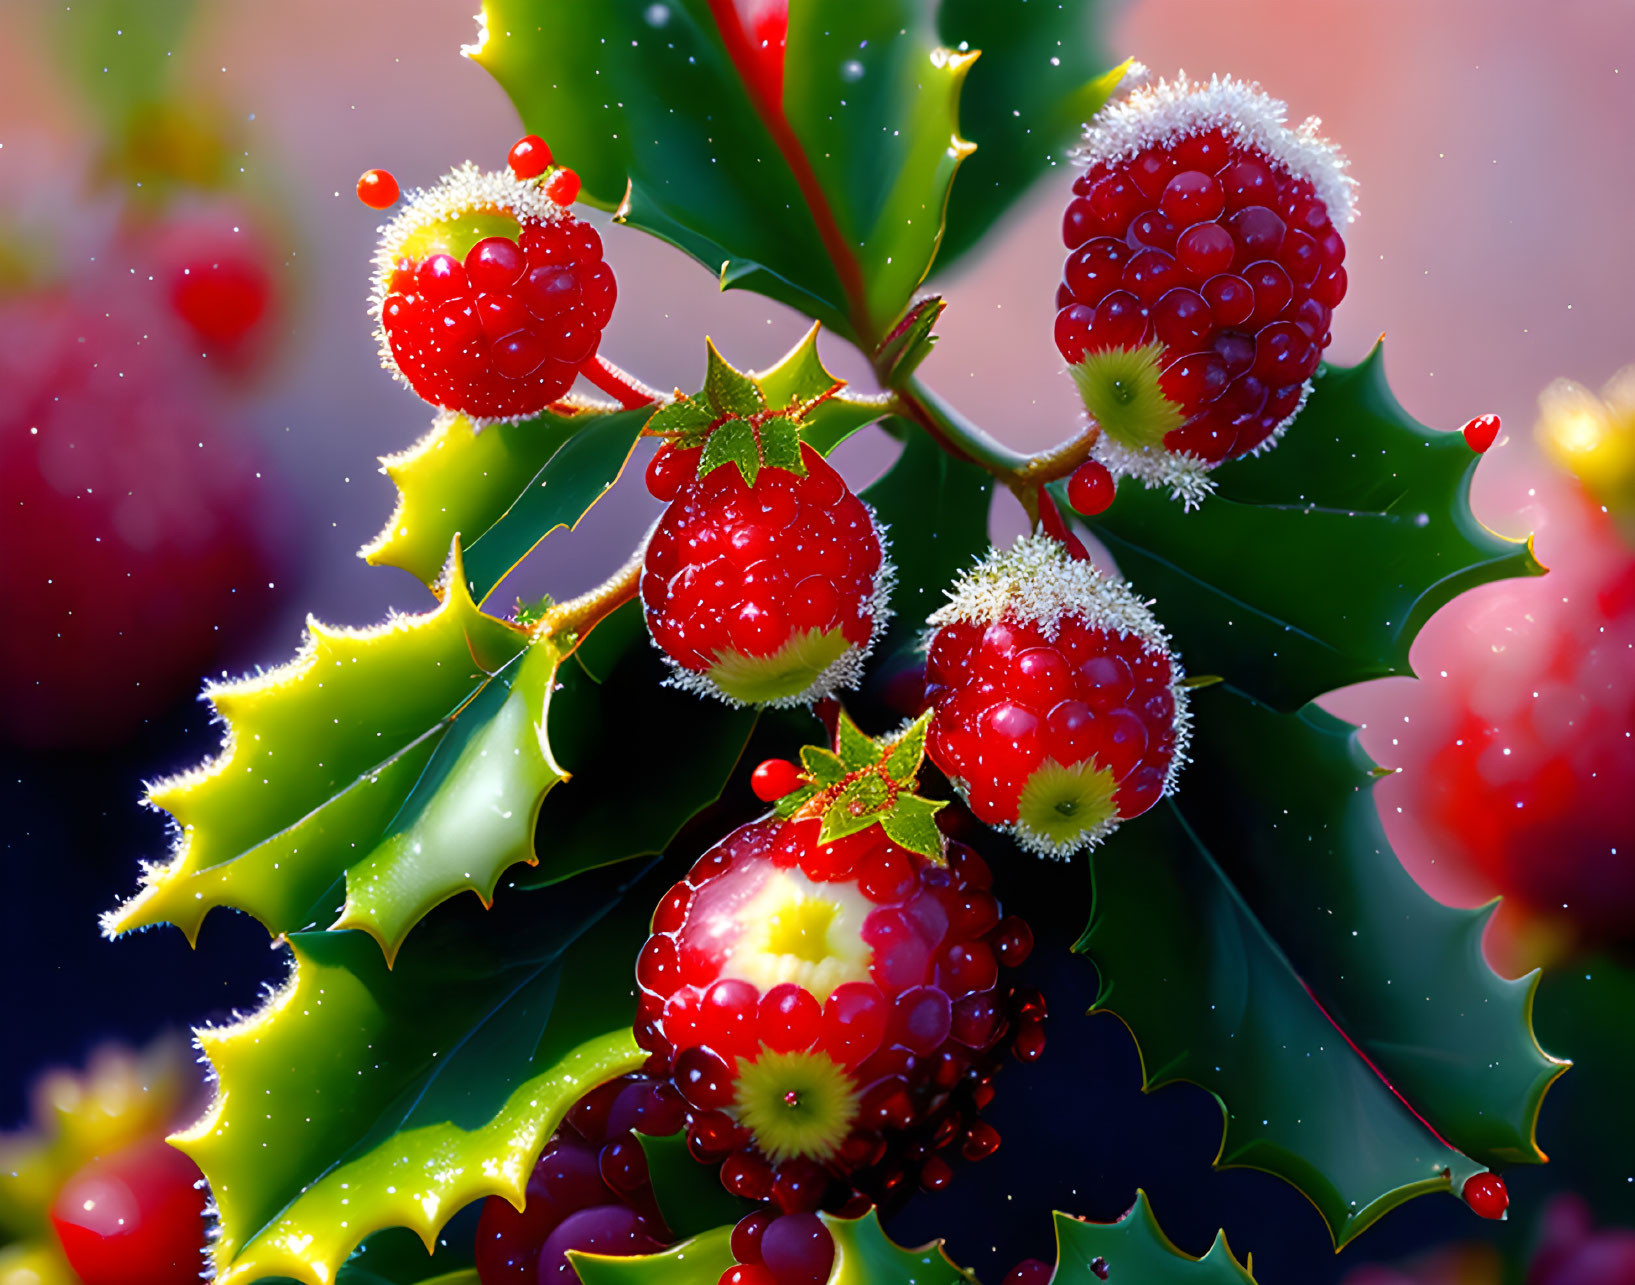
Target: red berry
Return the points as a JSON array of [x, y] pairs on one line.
[[133, 1218], [812, 1025], [142, 510], [1031, 1271], [1241, 216], [769, 594], [1059, 706], [377, 189], [489, 296], [798, 1250], [775, 778], [1481, 432], [748, 1274], [1091, 488], [1487, 1195], [563, 187], [529, 157]]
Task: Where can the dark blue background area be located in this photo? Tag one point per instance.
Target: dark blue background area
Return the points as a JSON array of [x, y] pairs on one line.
[[1078, 1134]]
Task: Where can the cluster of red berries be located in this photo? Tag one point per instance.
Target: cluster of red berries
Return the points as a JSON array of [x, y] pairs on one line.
[[1204, 266], [489, 295], [832, 1013], [768, 593], [589, 1190], [1059, 705]]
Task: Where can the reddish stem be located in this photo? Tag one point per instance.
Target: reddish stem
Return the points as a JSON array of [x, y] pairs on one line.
[[624, 388], [1050, 519], [743, 54]]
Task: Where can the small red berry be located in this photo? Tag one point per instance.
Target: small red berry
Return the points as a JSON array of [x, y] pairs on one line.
[[1487, 1195], [377, 189], [1091, 488], [775, 778], [1481, 432], [529, 157], [1203, 268], [563, 186], [1030, 1271], [133, 1218], [1059, 706], [748, 1274]]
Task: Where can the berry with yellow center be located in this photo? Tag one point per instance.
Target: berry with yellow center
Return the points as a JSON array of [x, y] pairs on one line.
[[489, 295], [1060, 705], [1204, 266], [824, 987]]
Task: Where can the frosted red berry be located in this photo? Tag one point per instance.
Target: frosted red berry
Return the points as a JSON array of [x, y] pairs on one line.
[[827, 1011], [770, 594], [377, 189], [1091, 488], [1059, 706], [588, 1191], [133, 1218], [529, 157], [1204, 264], [773, 779], [1481, 432], [490, 296], [1487, 1195]]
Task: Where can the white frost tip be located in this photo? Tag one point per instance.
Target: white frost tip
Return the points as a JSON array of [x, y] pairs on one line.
[[1161, 113]]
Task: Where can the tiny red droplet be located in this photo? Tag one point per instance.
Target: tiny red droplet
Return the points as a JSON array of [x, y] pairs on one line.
[[563, 186], [773, 779], [1091, 488], [1487, 1195], [377, 189], [530, 157], [1481, 432]]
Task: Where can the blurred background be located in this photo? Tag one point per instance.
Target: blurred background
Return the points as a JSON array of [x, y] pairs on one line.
[[183, 272]]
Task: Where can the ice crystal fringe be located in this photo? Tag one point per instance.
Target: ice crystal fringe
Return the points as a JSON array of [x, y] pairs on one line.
[[1037, 582], [1163, 112], [843, 674]]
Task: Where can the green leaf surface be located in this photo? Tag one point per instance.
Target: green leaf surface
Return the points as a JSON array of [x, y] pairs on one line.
[[733, 444], [501, 488], [1259, 938], [698, 1261], [691, 1198], [865, 1255], [1135, 1249], [936, 510], [609, 685], [363, 1097], [873, 99], [910, 343], [1042, 74], [833, 205], [375, 776], [728, 390], [1313, 566]]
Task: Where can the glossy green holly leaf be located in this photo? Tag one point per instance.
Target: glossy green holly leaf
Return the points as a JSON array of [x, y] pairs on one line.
[[362, 1097], [501, 488], [935, 510], [698, 1261], [1041, 76], [689, 1199], [1260, 938], [397, 1256], [865, 1255], [378, 774], [830, 200], [1136, 1249], [910, 342], [610, 685], [1314, 565]]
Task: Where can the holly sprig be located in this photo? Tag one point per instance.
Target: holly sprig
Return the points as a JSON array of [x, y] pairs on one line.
[[389, 770], [866, 781]]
